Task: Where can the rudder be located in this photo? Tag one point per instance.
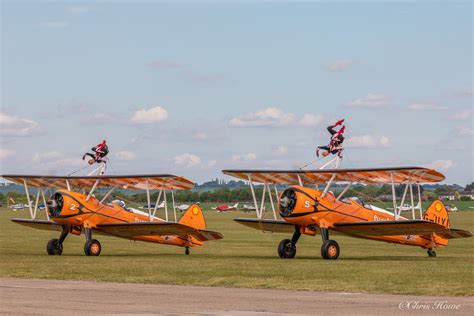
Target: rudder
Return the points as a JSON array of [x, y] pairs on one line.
[[193, 217], [437, 213]]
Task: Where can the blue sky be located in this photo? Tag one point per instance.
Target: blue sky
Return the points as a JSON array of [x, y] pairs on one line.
[[192, 88]]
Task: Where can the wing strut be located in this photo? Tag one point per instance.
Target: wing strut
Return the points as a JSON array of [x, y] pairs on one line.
[[174, 206], [148, 200], [157, 202], [394, 197]]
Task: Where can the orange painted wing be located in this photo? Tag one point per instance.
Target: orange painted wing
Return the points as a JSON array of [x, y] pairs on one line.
[[129, 182], [321, 176], [157, 229], [395, 228], [38, 224], [269, 225]]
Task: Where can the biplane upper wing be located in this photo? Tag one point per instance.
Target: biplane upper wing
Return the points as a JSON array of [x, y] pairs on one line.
[[268, 225], [321, 176], [38, 224], [156, 229], [401, 227], [130, 182]]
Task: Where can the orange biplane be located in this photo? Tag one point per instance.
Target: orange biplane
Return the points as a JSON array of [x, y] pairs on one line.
[[70, 211], [312, 211]]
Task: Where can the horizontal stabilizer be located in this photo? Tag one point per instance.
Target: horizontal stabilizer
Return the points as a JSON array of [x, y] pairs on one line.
[[455, 233], [38, 224], [156, 229], [269, 225], [401, 227]]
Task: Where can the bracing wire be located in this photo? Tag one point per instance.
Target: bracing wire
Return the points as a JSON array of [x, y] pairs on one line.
[[311, 163]]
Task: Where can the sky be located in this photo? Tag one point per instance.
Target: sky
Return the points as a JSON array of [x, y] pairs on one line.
[[191, 88]]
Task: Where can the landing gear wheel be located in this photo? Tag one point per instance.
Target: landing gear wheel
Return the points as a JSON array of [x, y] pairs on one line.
[[286, 250], [431, 253], [92, 247], [330, 250], [186, 252], [54, 247]]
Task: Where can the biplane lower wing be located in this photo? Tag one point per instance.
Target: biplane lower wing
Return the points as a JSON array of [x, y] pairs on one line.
[[156, 229], [401, 227], [268, 225], [38, 224]]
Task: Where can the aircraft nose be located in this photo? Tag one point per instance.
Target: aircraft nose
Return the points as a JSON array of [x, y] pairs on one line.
[[55, 204], [287, 202]]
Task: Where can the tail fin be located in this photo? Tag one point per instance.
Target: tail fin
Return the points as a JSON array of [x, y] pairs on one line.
[[437, 213], [193, 217]]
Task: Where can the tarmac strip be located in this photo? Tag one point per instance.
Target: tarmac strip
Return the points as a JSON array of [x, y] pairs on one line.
[[42, 297]]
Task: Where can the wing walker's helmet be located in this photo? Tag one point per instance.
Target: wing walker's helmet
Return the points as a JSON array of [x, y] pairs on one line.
[[91, 161], [325, 153]]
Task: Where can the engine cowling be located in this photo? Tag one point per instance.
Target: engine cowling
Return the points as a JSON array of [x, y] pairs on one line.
[[297, 201]]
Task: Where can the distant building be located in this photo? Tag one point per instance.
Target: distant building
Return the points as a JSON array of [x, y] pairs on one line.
[[447, 197], [469, 194]]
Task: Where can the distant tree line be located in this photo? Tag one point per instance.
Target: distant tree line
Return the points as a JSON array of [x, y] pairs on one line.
[[243, 194]]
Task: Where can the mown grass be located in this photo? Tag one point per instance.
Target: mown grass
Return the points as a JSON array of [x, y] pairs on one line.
[[247, 258]]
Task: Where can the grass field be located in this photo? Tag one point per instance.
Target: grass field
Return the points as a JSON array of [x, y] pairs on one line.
[[248, 258]]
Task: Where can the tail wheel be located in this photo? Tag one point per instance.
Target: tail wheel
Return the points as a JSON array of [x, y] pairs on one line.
[[54, 247], [186, 252], [330, 250], [431, 253], [286, 250], [92, 248]]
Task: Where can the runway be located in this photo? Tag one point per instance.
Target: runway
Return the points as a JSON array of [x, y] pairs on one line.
[[33, 296]]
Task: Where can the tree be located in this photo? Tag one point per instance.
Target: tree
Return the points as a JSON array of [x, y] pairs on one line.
[[469, 187]]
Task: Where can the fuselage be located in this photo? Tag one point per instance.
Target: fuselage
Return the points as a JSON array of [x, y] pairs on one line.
[[74, 209], [313, 209]]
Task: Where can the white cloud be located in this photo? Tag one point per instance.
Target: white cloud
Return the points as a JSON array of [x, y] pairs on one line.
[[149, 116], [125, 155], [105, 117], [368, 141], [465, 131], [211, 163], [273, 117], [5, 153], [54, 24], [422, 107], [244, 157], [53, 161], [461, 115], [187, 160], [340, 65], [310, 120], [15, 126], [47, 156], [440, 165], [371, 100], [280, 151]]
